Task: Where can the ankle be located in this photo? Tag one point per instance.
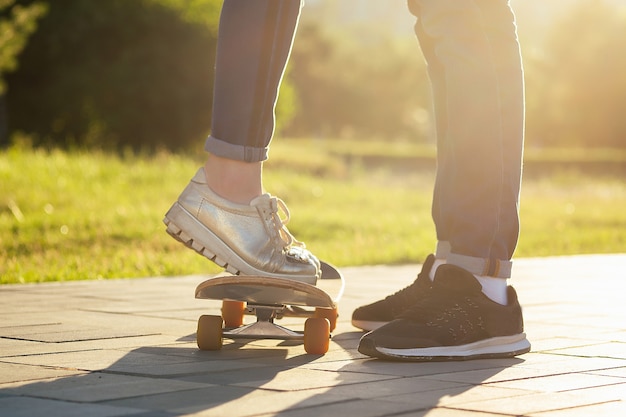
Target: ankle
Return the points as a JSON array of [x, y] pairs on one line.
[[494, 288], [438, 262], [236, 181]]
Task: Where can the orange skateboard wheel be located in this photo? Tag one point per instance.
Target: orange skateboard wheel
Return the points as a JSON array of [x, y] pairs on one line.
[[209, 334], [232, 312], [316, 335], [328, 313]]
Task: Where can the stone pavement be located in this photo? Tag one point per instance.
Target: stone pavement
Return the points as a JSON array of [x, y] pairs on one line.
[[127, 348]]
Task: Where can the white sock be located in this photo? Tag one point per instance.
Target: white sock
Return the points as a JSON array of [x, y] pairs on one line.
[[494, 288], [436, 264]]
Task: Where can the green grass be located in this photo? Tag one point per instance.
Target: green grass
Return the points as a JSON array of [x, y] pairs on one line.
[[67, 216]]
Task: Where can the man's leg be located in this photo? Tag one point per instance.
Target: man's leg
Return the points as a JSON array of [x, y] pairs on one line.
[[473, 56], [475, 68]]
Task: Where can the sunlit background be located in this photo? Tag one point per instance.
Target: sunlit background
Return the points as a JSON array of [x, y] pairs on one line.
[[103, 74], [573, 51], [105, 106]]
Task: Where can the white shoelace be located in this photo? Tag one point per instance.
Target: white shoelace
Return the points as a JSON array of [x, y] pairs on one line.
[[281, 224], [276, 205]]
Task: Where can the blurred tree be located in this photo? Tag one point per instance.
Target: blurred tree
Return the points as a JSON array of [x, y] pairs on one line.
[[577, 84], [16, 24], [117, 74], [354, 85], [139, 73]]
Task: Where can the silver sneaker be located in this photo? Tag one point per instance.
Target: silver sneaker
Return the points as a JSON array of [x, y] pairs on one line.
[[243, 239]]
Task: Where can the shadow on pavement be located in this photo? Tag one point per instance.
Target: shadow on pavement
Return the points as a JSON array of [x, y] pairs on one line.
[[243, 379]]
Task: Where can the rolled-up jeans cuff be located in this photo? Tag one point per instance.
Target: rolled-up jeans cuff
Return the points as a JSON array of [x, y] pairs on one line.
[[227, 150], [484, 267]]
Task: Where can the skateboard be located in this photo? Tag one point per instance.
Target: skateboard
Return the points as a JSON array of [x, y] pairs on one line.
[[270, 299]]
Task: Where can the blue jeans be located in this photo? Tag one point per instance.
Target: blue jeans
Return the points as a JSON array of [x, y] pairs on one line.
[[475, 69], [254, 42]]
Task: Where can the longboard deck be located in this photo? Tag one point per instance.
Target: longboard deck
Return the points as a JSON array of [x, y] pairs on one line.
[[260, 290], [329, 271]]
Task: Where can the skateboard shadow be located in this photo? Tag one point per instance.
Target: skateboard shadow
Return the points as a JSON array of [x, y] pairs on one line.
[[155, 381], [244, 378]]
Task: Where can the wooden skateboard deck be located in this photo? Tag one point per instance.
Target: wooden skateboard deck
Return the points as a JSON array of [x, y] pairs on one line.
[[269, 299]]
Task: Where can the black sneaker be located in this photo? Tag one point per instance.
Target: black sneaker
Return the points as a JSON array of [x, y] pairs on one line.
[[377, 314], [454, 321]]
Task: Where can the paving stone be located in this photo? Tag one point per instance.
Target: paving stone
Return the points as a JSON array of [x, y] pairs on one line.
[[13, 347], [492, 375], [110, 360], [72, 326], [542, 330], [618, 336], [127, 347], [606, 393], [362, 408], [371, 366], [532, 403], [11, 372], [561, 364], [229, 400], [276, 378], [384, 389], [553, 343], [604, 350], [88, 360], [31, 407], [97, 386], [560, 383], [614, 408], [63, 334], [620, 372], [447, 412], [451, 396], [182, 369]]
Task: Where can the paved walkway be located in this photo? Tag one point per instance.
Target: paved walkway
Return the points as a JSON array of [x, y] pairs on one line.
[[127, 348]]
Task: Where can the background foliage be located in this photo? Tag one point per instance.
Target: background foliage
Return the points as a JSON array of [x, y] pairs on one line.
[[115, 73], [118, 74], [16, 24], [94, 215], [138, 73], [576, 81]]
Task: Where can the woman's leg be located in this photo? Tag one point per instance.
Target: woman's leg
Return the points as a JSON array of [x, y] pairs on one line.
[[254, 43], [223, 213]]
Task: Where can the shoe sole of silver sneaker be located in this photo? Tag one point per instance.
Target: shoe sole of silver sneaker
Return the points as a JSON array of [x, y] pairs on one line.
[[185, 228], [496, 347]]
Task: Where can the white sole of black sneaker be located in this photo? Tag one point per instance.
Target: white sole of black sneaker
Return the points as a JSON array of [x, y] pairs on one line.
[[368, 326], [496, 347]]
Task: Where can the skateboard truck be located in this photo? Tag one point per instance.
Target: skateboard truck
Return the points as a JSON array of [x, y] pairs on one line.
[[264, 327]]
